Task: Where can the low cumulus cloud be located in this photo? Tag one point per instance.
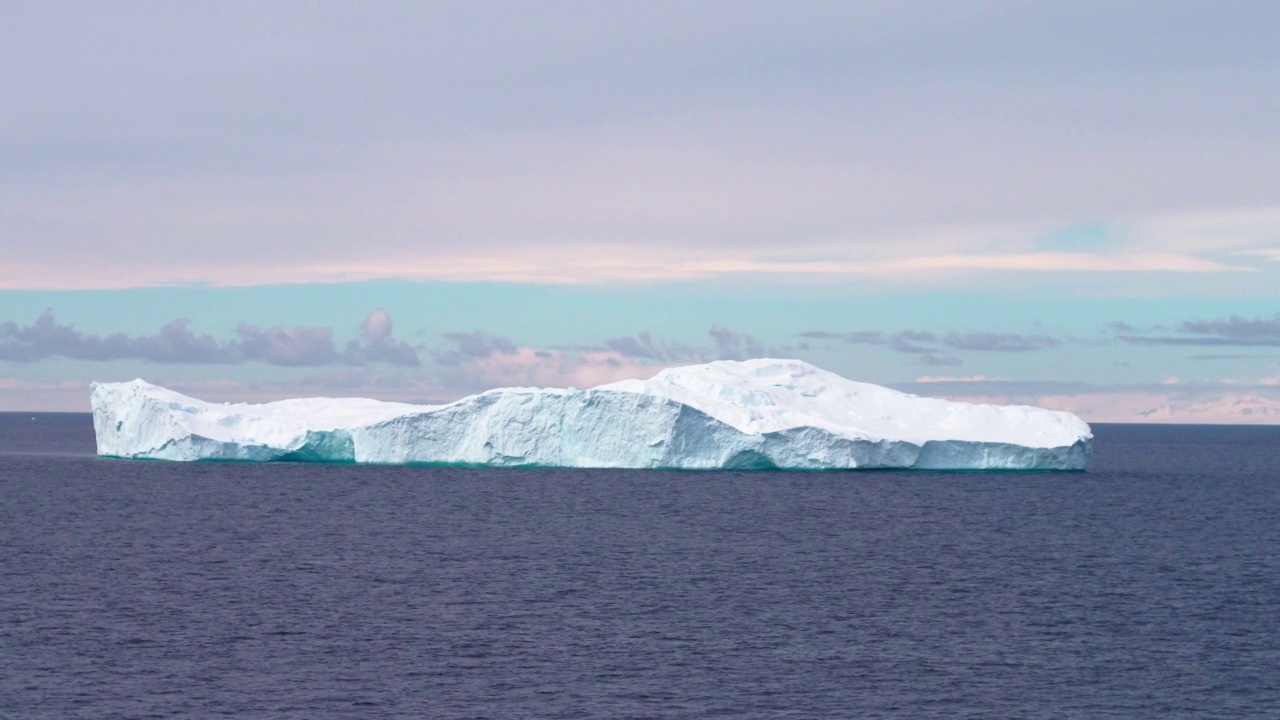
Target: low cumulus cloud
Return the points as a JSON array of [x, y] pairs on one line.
[[1233, 331], [999, 342], [477, 361], [465, 347], [731, 345], [643, 346], [938, 360], [472, 361], [937, 350], [864, 337], [177, 343], [378, 346], [913, 342], [725, 344]]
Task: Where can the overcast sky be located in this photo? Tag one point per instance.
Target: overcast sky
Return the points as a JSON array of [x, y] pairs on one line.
[[1069, 203]]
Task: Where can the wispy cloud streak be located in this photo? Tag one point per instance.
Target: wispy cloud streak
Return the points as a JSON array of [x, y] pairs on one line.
[[1233, 331], [935, 349]]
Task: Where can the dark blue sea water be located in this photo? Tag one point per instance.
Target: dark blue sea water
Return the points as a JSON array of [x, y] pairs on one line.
[[1148, 587]]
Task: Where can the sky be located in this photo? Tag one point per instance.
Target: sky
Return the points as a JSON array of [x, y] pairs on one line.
[[1067, 204]]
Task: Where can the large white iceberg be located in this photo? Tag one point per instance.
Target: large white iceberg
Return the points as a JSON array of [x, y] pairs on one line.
[[756, 414]]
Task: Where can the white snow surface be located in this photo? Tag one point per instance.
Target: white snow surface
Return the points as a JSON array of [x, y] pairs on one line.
[[753, 414]]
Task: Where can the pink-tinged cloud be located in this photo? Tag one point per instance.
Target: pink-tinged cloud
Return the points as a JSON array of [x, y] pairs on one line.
[[529, 367], [1272, 254], [584, 267], [377, 326], [591, 226]]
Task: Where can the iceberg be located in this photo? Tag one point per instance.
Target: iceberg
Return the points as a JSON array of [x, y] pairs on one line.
[[753, 414]]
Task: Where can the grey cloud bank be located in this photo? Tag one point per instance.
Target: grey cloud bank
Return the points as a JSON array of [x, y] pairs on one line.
[[301, 346], [471, 346], [176, 343], [1232, 331], [931, 348], [311, 362]]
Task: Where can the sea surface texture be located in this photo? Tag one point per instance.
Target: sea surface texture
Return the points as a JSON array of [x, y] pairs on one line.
[[1148, 587]]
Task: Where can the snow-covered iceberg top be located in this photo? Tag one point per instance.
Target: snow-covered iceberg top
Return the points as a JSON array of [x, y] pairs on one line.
[[765, 413]]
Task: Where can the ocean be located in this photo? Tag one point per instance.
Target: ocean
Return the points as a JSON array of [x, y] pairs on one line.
[[1147, 587]]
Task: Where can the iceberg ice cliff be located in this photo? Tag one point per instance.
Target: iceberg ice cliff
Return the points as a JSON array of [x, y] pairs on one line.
[[765, 413]]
